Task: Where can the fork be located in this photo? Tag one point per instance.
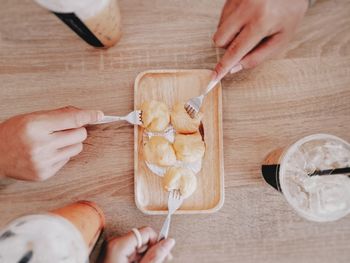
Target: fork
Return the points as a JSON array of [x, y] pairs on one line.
[[134, 117], [193, 105], [174, 202]]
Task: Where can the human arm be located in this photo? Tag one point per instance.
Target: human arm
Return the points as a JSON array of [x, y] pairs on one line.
[[35, 146]]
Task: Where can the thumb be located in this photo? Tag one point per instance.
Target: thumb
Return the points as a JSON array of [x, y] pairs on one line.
[[71, 118], [158, 252]]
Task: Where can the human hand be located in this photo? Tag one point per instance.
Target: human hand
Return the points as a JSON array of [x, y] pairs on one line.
[[125, 249], [252, 30], [35, 146]]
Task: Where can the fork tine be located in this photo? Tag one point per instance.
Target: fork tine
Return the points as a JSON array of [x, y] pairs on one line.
[[188, 108], [140, 116], [175, 194], [178, 195], [172, 194]]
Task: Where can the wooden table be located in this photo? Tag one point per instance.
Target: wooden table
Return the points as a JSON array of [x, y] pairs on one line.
[[305, 90]]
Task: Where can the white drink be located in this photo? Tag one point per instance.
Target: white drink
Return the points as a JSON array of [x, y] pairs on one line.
[[64, 235], [42, 239], [319, 197]]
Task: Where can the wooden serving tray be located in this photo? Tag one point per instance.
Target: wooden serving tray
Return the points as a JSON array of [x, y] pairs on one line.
[[171, 86]]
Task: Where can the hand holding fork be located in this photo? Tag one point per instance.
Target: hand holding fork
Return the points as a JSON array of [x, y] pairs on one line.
[[193, 105], [174, 202], [134, 117]]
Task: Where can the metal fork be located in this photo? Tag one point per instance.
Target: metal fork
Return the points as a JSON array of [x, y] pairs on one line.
[[193, 105], [174, 202], [134, 117]]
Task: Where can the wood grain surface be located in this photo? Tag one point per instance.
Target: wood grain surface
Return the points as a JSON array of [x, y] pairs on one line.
[[171, 87], [304, 90]]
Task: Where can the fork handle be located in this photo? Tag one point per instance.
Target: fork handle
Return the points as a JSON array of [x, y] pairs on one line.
[[211, 85], [165, 228], [108, 119]]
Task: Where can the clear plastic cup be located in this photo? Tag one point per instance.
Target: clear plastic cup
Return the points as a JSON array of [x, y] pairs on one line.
[[65, 235], [98, 22], [319, 197]]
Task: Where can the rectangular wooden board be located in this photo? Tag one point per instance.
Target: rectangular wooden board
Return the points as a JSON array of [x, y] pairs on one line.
[[172, 86]]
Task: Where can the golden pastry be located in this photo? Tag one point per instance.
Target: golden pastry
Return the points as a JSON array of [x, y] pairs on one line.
[[155, 116], [189, 148], [159, 151], [182, 179], [182, 122]]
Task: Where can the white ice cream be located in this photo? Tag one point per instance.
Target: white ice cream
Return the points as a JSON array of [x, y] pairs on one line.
[[317, 198], [42, 239]]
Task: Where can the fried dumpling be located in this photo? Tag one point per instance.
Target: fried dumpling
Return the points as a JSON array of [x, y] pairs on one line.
[[159, 151], [189, 148], [182, 122], [155, 116], [182, 179]]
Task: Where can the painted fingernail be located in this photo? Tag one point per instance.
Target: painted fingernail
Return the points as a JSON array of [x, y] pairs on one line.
[[100, 115], [169, 243], [236, 69], [214, 75], [213, 40], [169, 257]]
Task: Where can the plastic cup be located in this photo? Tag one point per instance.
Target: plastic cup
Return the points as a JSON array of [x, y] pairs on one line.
[[65, 235], [87, 217], [98, 22], [319, 197]]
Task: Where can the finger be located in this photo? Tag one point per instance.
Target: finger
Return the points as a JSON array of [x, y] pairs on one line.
[[148, 235], [52, 170], [129, 242], [229, 29], [58, 166], [67, 152], [247, 39], [159, 252], [70, 118], [226, 10], [68, 137], [263, 51]]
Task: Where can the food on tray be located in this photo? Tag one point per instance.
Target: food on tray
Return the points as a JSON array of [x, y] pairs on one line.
[[173, 160], [159, 151], [182, 179], [182, 122], [189, 148], [155, 116]]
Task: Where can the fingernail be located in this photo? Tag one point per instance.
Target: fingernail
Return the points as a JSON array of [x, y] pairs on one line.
[[213, 41], [100, 115], [169, 243], [236, 68], [214, 75], [169, 257]]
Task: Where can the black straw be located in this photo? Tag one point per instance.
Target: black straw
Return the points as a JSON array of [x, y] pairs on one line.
[[344, 170]]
